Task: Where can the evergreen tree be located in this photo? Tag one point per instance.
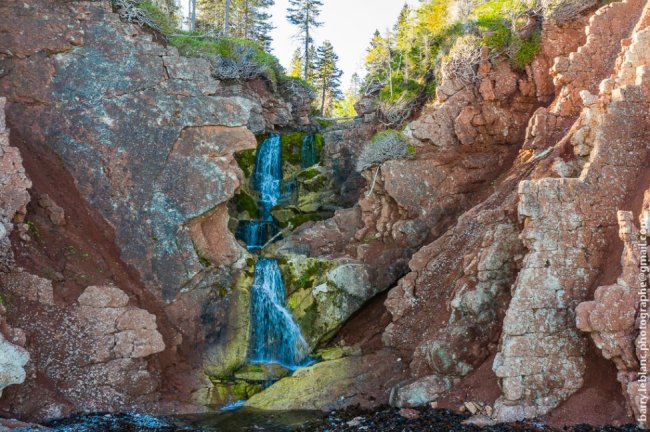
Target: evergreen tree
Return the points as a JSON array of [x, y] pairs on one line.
[[304, 14], [377, 57], [295, 69], [345, 106], [247, 19], [327, 76]]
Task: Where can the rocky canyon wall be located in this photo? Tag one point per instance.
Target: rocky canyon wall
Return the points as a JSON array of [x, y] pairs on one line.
[[124, 251]]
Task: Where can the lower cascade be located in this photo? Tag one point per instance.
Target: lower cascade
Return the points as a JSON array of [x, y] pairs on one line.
[[275, 337]]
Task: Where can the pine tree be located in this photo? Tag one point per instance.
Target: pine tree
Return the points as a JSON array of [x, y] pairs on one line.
[[327, 75], [377, 58], [345, 106], [304, 15], [295, 69], [247, 19]]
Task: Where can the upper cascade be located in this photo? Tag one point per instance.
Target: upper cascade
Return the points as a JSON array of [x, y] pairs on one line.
[[267, 178]]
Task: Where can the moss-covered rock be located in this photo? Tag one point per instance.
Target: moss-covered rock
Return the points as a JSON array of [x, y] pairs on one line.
[[323, 294], [292, 147], [261, 373], [246, 161], [322, 386], [246, 204], [337, 352], [230, 354]]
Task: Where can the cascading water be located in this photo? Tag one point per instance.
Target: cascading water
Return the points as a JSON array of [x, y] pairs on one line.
[[267, 177], [267, 180], [308, 156], [275, 336]]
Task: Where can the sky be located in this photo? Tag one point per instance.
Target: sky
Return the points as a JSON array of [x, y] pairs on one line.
[[348, 24]]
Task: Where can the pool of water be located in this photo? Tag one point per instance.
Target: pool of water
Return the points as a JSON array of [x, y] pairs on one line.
[[237, 420]]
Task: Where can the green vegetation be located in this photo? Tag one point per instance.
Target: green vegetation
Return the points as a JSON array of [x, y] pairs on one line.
[[386, 145], [245, 57], [246, 161], [406, 62], [165, 21]]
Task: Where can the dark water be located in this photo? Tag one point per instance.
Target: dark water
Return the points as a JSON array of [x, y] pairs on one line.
[[349, 420], [241, 420]]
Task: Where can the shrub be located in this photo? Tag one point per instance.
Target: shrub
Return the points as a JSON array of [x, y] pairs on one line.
[[132, 11], [563, 11], [164, 20], [524, 51], [386, 145], [231, 58], [463, 60]]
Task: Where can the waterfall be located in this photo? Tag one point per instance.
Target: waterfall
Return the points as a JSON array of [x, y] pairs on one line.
[[267, 177], [276, 338], [308, 156]]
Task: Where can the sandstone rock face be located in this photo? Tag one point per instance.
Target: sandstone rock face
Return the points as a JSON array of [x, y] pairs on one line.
[[610, 318], [13, 202], [566, 225], [13, 188], [151, 139]]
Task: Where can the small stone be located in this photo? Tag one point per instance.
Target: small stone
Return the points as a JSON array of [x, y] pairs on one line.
[[480, 420], [488, 410], [409, 413], [434, 404], [355, 422], [471, 407]]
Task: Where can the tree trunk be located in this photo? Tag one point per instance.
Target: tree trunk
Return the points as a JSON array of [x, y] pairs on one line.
[[226, 20], [307, 46], [390, 64], [247, 22], [192, 15], [322, 103]]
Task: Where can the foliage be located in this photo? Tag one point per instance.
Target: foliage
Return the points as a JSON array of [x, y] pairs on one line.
[[296, 67], [345, 107], [444, 38], [248, 19], [166, 22], [327, 77], [231, 58], [525, 50], [386, 145], [304, 15]]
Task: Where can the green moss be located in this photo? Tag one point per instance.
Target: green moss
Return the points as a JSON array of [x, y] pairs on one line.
[[308, 217], [246, 161], [319, 144], [525, 51], [324, 124], [165, 22], [229, 48], [246, 203], [411, 149], [292, 147]]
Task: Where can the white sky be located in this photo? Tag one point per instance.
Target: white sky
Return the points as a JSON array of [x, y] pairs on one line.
[[348, 24]]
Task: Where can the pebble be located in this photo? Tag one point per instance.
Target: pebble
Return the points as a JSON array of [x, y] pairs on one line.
[[409, 413]]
